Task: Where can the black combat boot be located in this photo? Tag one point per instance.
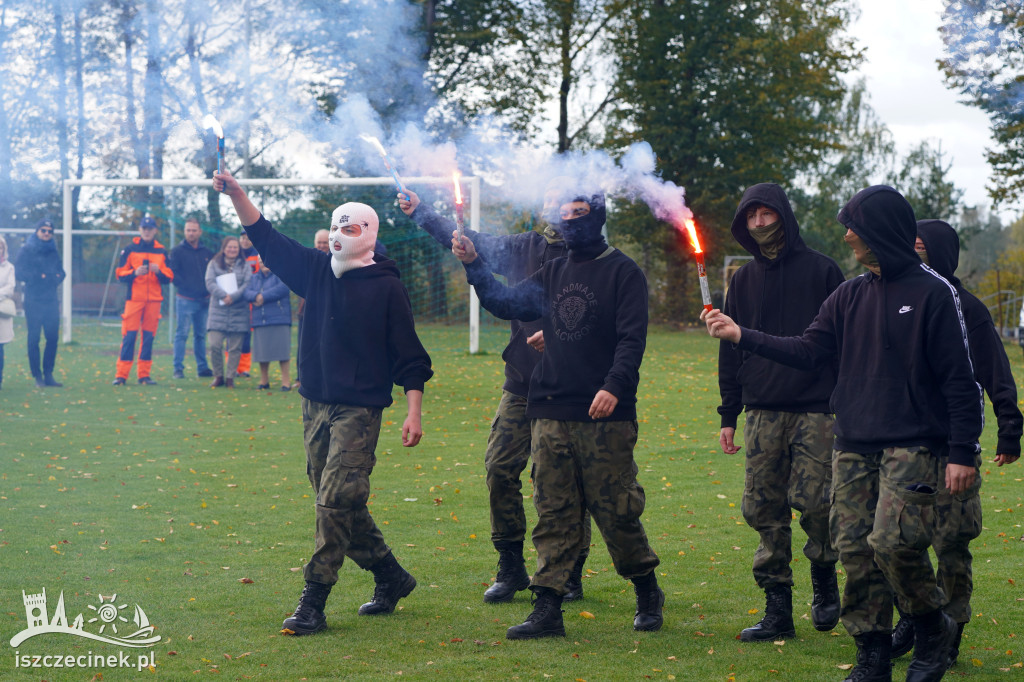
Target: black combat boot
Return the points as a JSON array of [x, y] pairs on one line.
[[392, 583], [902, 634], [574, 585], [512, 576], [649, 600], [955, 653], [873, 663], [825, 603], [309, 614], [546, 619], [934, 636], [778, 617]]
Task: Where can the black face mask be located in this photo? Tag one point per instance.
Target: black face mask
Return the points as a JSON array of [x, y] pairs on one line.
[[585, 231]]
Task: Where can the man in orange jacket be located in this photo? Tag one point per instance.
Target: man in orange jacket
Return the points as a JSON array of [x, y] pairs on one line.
[[143, 269]]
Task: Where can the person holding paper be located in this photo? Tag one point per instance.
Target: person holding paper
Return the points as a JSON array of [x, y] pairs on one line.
[[228, 320]]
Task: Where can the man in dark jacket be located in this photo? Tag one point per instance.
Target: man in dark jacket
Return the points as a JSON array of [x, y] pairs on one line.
[[360, 341], [581, 403], [905, 395], [188, 261], [788, 429], [958, 517], [38, 266], [516, 257]]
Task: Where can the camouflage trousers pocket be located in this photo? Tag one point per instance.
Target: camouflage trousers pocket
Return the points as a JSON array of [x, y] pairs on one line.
[[631, 500], [912, 512]]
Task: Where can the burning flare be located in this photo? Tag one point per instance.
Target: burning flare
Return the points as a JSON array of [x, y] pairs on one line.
[[459, 219], [698, 254], [387, 161]]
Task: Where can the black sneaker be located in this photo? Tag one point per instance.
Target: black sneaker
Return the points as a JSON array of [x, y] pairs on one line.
[[119, 381], [203, 373], [178, 374], [147, 381]]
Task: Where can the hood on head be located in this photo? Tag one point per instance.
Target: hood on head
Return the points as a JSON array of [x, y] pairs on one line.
[[943, 246], [884, 219], [774, 197]]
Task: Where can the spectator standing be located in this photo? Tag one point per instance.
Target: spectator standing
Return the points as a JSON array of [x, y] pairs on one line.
[[143, 270], [7, 283], [228, 318], [250, 256], [271, 317], [38, 266], [321, 243], [188, 261]]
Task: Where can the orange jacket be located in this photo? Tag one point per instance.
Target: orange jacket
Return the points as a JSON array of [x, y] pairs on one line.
[[146, 287]]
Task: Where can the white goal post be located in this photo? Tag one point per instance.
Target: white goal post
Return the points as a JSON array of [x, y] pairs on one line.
[[473, 199]]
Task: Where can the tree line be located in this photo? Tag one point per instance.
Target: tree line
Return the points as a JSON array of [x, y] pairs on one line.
[[727, 93]]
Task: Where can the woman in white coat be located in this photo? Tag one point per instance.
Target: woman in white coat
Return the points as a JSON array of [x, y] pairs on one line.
[[6, 294]]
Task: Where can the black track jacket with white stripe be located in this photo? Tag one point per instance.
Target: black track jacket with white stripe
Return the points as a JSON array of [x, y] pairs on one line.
[[905, 376]]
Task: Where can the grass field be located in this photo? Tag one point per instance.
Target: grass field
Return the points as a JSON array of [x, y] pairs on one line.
[[193, 504]]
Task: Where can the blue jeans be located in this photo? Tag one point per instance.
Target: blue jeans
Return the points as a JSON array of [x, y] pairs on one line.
[[191, 312]]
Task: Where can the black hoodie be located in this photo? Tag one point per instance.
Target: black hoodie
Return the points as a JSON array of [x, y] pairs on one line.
[[358, 336], [516, 257], [905, 378], [778, 296], [991, 366]]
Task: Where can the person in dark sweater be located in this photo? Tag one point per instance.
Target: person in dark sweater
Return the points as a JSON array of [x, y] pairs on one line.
[[788, 428], [188, 261], [38, 266], [515, 257], [958, 517], [905, 396], [359, 341], [581, 400]]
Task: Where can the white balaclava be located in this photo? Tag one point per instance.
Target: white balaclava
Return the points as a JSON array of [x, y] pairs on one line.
[[348, 253]]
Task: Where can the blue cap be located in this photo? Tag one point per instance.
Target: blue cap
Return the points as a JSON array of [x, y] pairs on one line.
[[148, 221]]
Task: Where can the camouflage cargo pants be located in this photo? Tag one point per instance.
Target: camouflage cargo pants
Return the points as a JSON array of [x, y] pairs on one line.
[[340, 441], [957, 522], [789, 466], [580, 466], [883, 516], [508, 453]]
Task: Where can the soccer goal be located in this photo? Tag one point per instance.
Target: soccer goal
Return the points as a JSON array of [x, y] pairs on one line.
[[174, 223]]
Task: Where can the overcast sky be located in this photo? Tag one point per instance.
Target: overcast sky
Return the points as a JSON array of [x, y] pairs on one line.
[[909, 94]]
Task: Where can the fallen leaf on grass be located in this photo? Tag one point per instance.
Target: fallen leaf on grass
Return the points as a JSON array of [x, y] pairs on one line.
[[246, 581], [286, 631], [587, 614], [845, 666]]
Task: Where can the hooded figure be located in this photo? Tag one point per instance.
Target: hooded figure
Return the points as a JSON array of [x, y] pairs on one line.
[[780, 296], [788, 423], [352, 238], [991, 366]]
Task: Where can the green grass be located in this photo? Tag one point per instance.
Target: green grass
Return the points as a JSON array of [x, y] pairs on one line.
[[170, 496]]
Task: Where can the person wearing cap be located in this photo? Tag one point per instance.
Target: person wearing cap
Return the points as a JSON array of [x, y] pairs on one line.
[[188, 261], [581, 403], [143, 270], [360, 341], [958, 517], [788, 425], [515, 257], [39, 266], [905, 397]]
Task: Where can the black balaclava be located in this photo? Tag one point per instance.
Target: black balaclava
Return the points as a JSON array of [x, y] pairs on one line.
[[584, 233]]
